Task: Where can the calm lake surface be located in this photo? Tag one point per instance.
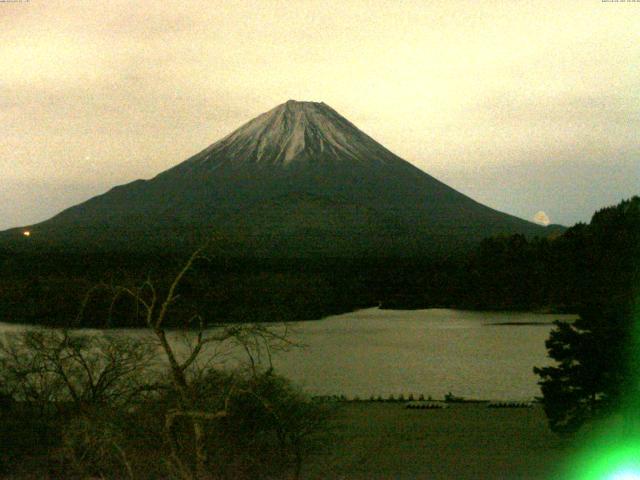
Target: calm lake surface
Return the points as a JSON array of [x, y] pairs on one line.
[[430, 352], [484, 355]]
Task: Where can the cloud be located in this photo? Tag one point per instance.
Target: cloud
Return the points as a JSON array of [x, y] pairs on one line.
[[541, 218]]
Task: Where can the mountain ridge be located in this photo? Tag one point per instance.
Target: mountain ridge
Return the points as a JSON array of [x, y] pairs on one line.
[[294, 149]]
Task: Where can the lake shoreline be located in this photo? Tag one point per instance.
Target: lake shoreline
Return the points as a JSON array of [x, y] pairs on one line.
[[379, 306]]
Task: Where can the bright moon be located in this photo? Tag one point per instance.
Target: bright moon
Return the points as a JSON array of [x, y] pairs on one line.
[[541, 218]]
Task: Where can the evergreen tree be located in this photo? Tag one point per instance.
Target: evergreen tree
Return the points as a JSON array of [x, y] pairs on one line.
[[597, 355], [594, 374]]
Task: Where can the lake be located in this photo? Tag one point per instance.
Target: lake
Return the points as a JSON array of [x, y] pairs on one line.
[[430, 352], [483, 355]]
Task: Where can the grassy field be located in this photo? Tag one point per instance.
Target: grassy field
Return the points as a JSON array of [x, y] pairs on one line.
[[374, 440]]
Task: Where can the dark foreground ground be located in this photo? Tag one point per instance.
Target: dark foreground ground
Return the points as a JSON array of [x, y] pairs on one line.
[[463, 441]]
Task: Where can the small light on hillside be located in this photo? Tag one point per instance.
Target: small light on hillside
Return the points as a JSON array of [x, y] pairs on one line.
[[26, 233]]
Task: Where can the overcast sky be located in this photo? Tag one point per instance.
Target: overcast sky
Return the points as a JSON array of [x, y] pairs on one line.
[[525, 106]]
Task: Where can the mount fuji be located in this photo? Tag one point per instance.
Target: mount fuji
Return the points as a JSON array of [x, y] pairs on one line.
[[298, 180]]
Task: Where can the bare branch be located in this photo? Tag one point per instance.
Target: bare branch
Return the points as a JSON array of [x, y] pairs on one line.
[[171, 297], [86, 298]]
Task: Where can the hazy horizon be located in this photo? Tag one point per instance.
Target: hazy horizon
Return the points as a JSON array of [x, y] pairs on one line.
[[524, 108]]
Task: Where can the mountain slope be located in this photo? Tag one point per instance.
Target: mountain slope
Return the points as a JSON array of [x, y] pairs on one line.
[[297, 180]]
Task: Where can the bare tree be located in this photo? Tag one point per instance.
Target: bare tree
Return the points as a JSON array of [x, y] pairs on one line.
[[88, 380], [206, 415], [255, 340], [58, 367]]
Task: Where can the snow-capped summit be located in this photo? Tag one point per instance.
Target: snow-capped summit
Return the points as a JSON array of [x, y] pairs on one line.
[[294, 133]]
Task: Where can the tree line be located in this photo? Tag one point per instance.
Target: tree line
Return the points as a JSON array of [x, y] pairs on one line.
[[597, 356], [588, 261]]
